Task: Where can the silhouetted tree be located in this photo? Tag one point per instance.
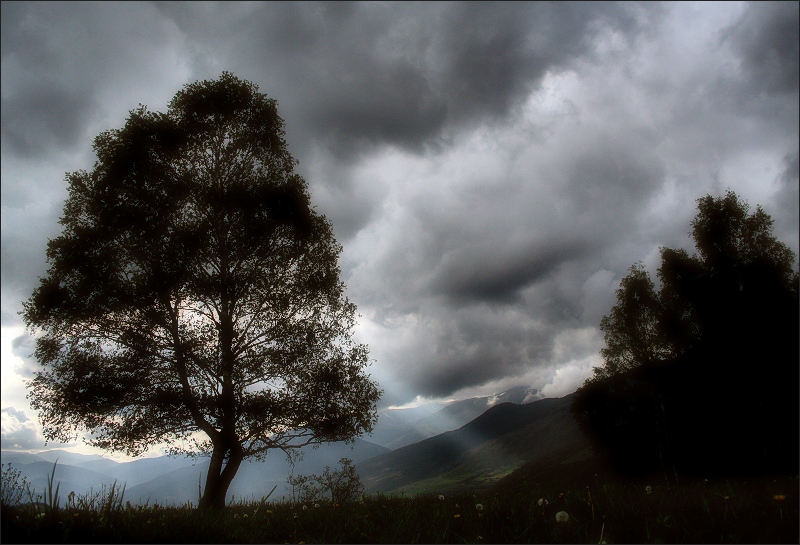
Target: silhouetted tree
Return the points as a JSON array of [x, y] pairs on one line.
[[633, 330], [343, 484], [193, 297], [707, 367]]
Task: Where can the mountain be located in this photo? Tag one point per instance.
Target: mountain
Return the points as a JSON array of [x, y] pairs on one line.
[[69, 478], [254, 480], [476, 455], [398, 428], [170, 480]]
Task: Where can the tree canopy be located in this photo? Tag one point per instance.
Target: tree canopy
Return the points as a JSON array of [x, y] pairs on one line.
[[193, 297], [709, 358]]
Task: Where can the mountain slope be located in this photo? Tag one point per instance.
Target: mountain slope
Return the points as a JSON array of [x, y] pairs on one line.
[[498, 441]]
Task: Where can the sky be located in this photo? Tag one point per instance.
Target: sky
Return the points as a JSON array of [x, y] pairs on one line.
[[491, 169]]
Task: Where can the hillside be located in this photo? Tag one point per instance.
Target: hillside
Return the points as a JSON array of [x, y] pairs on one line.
[[479, 453]]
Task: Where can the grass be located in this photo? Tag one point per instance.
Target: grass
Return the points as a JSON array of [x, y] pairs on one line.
[[755, 511]]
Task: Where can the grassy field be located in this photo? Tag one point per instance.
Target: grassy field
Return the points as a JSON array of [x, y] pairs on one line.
[[757, 511]]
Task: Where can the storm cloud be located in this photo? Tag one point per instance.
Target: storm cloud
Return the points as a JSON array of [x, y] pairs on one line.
[[492, 169]]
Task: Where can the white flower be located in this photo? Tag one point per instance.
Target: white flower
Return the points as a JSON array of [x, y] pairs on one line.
[[441, 497], [543, 502], [246, 515], [562, 516], [305, 508], [316, 505], [479, 506], [648, 489]]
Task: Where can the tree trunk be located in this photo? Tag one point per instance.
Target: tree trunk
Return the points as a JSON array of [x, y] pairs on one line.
[[219, 478]]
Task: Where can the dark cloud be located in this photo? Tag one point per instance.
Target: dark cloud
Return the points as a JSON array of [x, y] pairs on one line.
[[766, 38], [479, 272], [40, 118]]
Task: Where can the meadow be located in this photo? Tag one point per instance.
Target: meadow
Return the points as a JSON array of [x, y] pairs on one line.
[[746, 511]]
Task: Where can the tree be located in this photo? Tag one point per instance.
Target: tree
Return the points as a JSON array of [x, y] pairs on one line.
[[193, 297], [741, 285], [343, 484], [633, 329], [709, 362]]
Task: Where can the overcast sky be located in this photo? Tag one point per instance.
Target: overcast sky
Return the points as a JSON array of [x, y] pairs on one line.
[[492, 170]]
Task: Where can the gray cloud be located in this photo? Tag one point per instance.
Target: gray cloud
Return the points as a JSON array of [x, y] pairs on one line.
[[492, 169], [766, 40], [18, 432], [43, 117]]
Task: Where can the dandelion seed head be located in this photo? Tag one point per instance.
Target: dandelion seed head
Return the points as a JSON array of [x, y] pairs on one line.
[[562, 516], [542, 502], [441, 497], [479, 506], [648, 489]]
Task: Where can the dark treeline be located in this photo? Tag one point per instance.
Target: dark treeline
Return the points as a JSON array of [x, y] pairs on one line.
[[701, 377]]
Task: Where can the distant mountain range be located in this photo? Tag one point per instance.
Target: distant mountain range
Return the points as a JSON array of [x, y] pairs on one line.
[[167, 480], [398, 428], [438, 448]]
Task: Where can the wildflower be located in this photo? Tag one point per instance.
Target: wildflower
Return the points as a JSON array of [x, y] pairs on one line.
[[543, 502], [269, 511], [305, 508], [456, 516], [648, 489], [316, 505], [779, 497], [562, 516], [479, 506], [76, 515], [441, 497], [246, 515]]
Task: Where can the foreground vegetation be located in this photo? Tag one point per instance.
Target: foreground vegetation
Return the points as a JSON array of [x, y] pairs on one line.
[[755, 511]]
